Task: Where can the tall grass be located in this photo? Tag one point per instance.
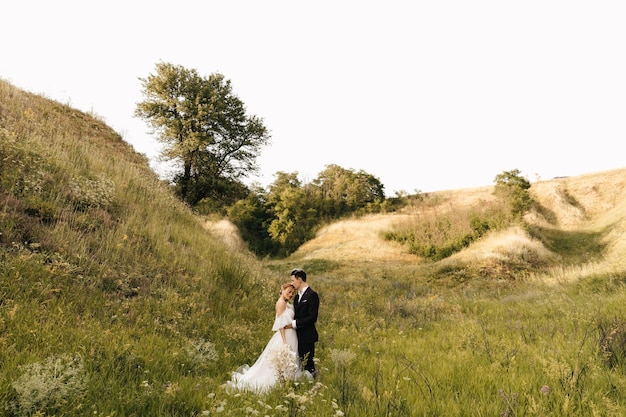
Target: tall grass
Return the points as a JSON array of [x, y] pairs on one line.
[[99, 259], [437, 234], [116, 302]]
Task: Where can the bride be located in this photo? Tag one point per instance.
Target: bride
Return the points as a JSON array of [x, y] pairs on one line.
[[279, 360]]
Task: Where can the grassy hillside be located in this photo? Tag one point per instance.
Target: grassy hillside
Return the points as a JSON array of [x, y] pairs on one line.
[[118, 301], [105, 273], [575, 228], [527, 321]]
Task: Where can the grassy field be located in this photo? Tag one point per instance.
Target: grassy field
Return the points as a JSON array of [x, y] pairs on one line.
[[524, 322], [116, 300]]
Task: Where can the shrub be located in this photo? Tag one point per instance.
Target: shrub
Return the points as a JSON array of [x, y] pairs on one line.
[[49, 384], [85, 193], [437, 236]]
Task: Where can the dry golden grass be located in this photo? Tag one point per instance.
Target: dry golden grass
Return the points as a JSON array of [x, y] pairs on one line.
[[227, 232], [586, 203], [503, 245], [357, 240]]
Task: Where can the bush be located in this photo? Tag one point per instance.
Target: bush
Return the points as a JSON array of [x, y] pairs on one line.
[[438, 236], [49, 384]]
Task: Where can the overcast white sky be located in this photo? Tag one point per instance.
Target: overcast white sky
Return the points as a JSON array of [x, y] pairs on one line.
[[425, 95]]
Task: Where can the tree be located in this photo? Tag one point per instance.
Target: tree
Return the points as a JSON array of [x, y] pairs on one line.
[[294, 216], [341, 191], [252, 217], [204, 127], [511, 186]]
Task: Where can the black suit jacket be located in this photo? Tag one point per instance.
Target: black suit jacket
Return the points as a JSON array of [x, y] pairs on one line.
[[306, 309]]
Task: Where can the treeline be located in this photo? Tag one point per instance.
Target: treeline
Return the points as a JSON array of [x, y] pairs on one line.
[[277, 220]]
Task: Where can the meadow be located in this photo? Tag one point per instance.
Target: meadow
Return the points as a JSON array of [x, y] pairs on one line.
[[117, 300]]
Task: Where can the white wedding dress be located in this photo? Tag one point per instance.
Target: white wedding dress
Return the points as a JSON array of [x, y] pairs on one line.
[[277, 362]]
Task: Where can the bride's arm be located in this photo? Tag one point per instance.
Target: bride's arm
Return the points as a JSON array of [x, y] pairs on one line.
[[281, 306]]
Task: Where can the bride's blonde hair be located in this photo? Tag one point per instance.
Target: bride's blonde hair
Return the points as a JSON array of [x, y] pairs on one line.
[[285, 286]]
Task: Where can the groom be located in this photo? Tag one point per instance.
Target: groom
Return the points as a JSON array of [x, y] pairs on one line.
[[306, 306]]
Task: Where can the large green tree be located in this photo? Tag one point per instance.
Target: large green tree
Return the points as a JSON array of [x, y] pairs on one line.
[[205, 130]]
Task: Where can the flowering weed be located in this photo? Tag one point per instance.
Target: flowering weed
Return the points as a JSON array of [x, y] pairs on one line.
[[50, 384]]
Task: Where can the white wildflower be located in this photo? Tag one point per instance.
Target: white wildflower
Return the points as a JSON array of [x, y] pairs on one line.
[[341, 357], [285, 361], [50, 383]]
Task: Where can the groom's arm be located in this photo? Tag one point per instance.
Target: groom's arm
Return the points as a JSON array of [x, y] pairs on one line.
[[310, 316]]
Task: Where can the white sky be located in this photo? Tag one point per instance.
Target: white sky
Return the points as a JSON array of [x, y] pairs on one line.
[[424, 95]]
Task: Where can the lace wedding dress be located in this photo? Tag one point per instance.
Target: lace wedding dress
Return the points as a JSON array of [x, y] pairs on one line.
[[277, 362]]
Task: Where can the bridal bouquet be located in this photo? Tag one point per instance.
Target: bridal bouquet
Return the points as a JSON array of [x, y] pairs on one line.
[[285, 362]]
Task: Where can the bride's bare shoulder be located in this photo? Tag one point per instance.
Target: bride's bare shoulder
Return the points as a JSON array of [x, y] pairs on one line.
[[281, 306]]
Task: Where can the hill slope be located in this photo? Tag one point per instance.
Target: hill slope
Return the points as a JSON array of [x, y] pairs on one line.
[[117, 300], [107, 281], [586, 203]]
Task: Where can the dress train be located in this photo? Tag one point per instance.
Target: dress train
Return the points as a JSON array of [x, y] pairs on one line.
[[278, 361]]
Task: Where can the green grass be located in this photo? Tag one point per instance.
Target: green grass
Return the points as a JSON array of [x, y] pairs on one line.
[[436, 235], [114, 301], [575, 247]]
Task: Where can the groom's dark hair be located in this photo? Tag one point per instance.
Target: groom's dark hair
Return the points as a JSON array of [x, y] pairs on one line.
[[298, 273]]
